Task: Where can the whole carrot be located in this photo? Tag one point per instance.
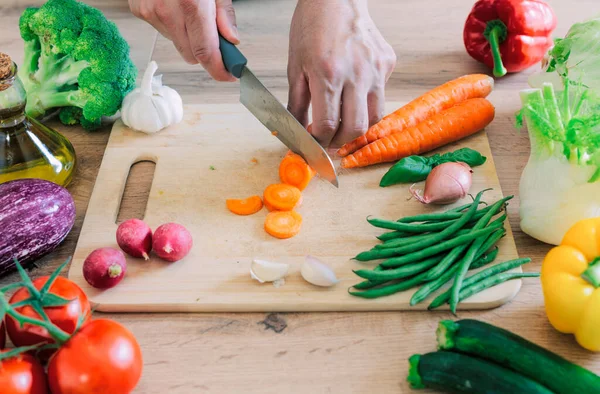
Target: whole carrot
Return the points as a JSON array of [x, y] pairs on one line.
[[450, 125], [436, 100]]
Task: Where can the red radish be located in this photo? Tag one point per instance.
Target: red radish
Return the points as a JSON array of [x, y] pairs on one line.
[[104, 268], [135, 238], [445, 184], [171, 242]]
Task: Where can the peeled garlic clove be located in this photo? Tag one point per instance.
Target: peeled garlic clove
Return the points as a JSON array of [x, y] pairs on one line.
[[267, 271], [317, 273]]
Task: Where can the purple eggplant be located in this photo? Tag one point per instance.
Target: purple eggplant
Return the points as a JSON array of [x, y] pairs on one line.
[[35, 217]]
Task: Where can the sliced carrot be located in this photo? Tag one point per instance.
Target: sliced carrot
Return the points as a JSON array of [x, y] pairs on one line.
[[246, 206], [293, 170], [450, 125], [283, 224], [423, 107], [281, 197]]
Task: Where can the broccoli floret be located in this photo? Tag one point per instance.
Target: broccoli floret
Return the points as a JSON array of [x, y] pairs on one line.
[[75, 59]]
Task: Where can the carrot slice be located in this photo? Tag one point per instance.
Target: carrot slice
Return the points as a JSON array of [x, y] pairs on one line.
[[283, 224], [453, 124], [293, 170], [246, 206], [432, 102], [281, 197]]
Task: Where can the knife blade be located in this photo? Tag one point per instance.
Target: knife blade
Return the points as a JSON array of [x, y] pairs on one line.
[[274, 116]]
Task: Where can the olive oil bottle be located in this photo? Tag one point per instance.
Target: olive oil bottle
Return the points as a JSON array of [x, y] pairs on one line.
[[29, 149]]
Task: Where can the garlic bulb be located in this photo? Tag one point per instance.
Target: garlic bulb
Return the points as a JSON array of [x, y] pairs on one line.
[[267, 271], [152, 106], [317, 273]]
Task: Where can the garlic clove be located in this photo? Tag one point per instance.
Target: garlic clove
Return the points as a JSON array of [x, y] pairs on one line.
[[267, 271], [318, 273]]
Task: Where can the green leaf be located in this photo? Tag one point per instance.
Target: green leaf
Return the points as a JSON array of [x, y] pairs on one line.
[[26, 280], [51, 300], [466, 155], [53, 277], [409, 169], [27, 301], [17, 351]]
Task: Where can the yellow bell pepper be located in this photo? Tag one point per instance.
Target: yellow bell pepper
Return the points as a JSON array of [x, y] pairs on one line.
[[571, 283]]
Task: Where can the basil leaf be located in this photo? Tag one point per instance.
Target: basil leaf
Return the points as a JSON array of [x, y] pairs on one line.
[[466, 155], [409, 169]]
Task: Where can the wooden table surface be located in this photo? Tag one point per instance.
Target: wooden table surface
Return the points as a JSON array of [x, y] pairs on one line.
[[310, 352]]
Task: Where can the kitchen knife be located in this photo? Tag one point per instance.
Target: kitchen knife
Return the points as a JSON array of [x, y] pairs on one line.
[[271, 113]]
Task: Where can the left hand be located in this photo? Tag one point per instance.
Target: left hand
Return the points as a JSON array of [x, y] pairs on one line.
[[340, 61]]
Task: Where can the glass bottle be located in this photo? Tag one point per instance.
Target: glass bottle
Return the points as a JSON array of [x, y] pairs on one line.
[[29, 149]]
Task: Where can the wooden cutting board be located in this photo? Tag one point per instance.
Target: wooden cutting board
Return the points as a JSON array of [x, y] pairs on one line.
[[219, 152]]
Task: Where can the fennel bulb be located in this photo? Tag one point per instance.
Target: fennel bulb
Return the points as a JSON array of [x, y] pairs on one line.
[[560, 184]]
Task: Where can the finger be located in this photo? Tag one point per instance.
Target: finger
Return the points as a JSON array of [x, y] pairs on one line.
[[355, 116], [201, 26], [169, 22], [299, 98], [325, 110], [226, 21], [376, 104]]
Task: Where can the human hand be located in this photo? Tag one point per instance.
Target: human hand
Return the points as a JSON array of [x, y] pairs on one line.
[[193, 26], [340, 61]]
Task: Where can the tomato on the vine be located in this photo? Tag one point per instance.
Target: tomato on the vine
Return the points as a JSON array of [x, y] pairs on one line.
[[65, 317], [102, 357], [22, 374]]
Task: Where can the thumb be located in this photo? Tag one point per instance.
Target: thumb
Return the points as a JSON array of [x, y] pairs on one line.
[[226, 21]]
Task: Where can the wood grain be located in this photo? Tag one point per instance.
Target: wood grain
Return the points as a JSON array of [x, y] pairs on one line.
[[199, 163], [321, 352]]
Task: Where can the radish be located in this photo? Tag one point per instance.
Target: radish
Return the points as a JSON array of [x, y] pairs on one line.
[[171, 242], [135, 238], [104, 268]]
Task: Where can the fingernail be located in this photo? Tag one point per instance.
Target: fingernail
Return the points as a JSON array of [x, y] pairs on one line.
[[236, 34]]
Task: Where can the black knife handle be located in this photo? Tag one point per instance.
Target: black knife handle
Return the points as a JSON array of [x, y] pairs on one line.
[[232, 57]]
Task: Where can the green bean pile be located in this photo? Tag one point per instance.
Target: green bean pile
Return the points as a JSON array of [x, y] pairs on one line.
[[429, 250]]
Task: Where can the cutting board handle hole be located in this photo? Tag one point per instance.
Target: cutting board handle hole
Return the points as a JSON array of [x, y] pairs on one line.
[[137, 190]]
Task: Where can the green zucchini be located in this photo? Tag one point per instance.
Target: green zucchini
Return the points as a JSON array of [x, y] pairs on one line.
[[512, 351], [459, 373]]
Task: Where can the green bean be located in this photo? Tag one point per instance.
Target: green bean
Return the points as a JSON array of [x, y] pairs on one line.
[[486, 273], [367, 284], [457, 251], [466, 261], [493, 281], [448, 215], [391, 289], [427, 252], [432, 286], [388, 289], [402, 241], [393, 235], [410, 227], [445, 234], [399, 273]]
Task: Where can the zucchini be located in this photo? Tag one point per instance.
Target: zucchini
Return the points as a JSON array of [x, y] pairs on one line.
[[459, 373], [514, 352]]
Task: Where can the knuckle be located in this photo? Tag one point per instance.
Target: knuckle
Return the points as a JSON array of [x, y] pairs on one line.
[[202, 53], [331, 70], [325, 126], [163, 13], [145, 13]]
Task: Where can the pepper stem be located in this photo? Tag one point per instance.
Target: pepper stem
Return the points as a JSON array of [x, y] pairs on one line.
[[592, 273], [495, 33]]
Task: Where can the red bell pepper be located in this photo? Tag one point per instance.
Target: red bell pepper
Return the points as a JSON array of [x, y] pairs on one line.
[[509, 35]]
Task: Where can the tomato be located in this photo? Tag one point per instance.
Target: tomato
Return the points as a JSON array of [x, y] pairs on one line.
[[102, 357], [2, 336], [65, 316], [22, 374]]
